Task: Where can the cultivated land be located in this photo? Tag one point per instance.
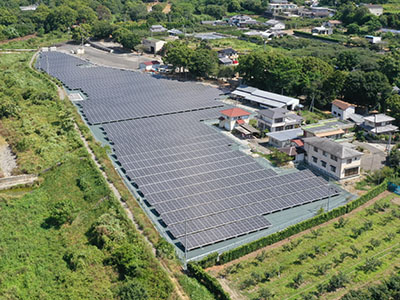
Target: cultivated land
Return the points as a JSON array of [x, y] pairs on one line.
[[365, 248]]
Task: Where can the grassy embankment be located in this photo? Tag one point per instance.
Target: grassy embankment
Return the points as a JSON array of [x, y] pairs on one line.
[[66, 237], [358, 249]]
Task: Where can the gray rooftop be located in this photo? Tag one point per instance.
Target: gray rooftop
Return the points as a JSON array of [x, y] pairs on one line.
[[264, 97], [378, 118], [279, 112], [327, 125], [332, 147], [286, 134]]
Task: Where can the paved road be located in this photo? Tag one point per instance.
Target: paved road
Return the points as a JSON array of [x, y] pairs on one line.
[[129, 61], [374, 160]]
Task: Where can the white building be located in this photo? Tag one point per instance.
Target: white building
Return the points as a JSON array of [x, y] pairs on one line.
[[379, 124], [277, 119], [342, 110], [233, 117], [322, 30], [374, 9], [332, 158], [373, 39], [276, 8], [153, 45], [32, 7], [242, 21], [149, 65]]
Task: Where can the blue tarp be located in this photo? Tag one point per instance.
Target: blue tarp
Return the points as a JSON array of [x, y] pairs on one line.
[[394, 188]]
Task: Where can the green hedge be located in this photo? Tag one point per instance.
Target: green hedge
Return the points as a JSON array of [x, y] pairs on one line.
[[318, 37], [289, 231], [209, 260], [211, 283]]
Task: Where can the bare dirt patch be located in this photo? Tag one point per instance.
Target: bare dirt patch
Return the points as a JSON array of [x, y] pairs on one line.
[[7, 159], [24, 38]]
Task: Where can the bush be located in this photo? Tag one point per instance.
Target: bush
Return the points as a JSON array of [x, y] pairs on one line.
[[133, 290], [165, 249], [61, 213], [194, 270], [106, 229]]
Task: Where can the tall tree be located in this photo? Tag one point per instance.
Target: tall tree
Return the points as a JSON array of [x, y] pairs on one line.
[[203, 62], [177, 54]]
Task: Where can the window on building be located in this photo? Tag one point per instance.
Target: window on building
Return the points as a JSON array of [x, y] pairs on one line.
[[315, 149], [333, 169], [314, 159], [351, 172], [349, 161], [323, 163], [324, 153], [333, 157]]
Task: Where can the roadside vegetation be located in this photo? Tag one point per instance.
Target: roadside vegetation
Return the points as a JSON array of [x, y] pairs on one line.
[[313, 266], [67, 236]]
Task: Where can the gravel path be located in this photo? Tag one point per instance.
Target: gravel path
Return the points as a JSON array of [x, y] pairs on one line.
[[7, 160]]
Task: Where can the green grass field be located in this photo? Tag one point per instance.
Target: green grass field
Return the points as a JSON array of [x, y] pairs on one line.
[[67, 236], [327, 262], [393, 6]]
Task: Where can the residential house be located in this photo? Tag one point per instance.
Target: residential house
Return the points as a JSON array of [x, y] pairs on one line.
[[332, 158], [280, 7], [322, 30], [242, 21], [379, 124], [152, 45], [297, 153], [342, 110], [225, 61], [321, 12], [330, 128], [229, 53], [281, 139], [275, 25], [264, 99], [230, 118], [374, 9], [158, 28], [278, 119], [333, 23]]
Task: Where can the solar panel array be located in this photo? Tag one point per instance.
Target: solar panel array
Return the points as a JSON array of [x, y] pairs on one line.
[[116, 94], [204, 189]]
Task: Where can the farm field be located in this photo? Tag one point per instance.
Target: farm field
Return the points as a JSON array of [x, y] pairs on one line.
[[393, 6], [324, 263]]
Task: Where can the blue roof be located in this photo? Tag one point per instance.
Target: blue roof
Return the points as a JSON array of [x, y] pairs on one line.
[[286, 134]]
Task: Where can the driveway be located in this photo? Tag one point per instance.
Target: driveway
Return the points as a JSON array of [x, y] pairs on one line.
[[375, 158], [129, 61]]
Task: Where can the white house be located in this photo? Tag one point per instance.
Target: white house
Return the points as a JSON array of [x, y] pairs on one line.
[[332, 158], [233, 117], [342, 110], [374, 9], [277, 119], [379, 124], [322, 30], [153, 45], [276, 8]]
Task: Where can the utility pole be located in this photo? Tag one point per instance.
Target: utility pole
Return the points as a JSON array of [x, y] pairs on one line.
[[185, 262]]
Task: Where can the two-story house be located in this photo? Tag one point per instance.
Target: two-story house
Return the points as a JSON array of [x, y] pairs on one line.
[[331, 158], [379, 124], [342, 110], [233, 117], [277, 119]]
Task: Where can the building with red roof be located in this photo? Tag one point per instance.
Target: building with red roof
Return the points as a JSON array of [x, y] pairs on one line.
[[342, 110], [232, 117]]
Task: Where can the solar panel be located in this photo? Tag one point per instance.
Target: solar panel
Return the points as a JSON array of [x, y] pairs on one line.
[[203, 186]]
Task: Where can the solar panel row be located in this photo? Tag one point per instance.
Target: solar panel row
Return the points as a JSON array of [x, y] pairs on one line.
[[205, 189]]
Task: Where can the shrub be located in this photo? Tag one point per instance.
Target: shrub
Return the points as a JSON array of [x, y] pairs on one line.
[[61, 213], [297, 280], [165, 249], [337, 281], [106, 229], [133, 290], [370, 265]]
